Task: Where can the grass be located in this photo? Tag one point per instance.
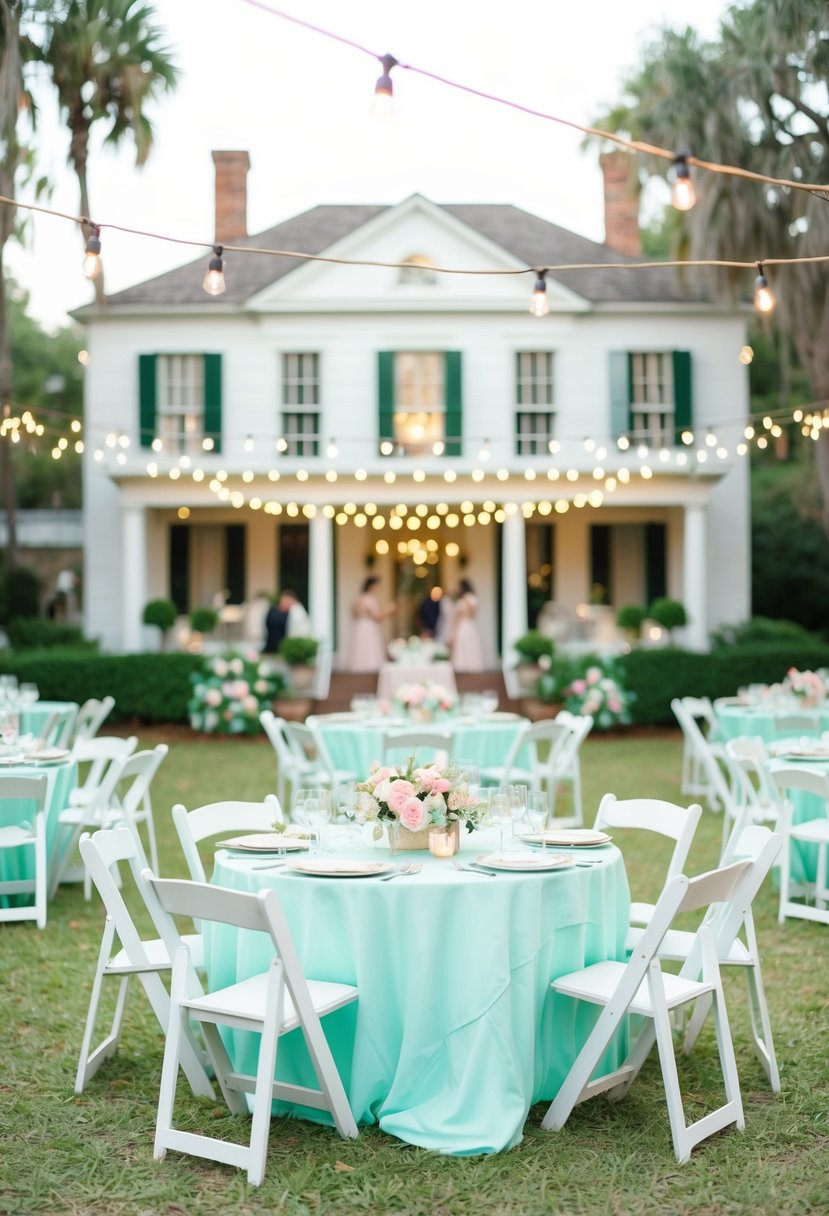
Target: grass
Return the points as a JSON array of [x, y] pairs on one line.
[[93, 1154]]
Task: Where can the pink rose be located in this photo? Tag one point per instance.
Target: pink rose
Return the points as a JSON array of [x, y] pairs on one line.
[[399, 793], [213, 697], [380, 773], [594, 674], [613, 705], [412, 812], [432, 779], [579, 687]]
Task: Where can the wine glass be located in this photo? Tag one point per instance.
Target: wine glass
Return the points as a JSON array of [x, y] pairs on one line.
[[318, 813], [472, 773], [28, 693], [517, 796], [536, 814], [500, 812], [347, 806]]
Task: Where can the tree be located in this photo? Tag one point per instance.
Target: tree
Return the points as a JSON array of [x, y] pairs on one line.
[[107, 62], [754, 98]]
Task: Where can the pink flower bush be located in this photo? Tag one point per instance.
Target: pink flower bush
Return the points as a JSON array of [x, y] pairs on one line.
[[230, 692]]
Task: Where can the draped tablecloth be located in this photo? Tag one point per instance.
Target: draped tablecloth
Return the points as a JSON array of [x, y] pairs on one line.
[[19, 863], [456, 1031], [353, 745], [392, 675], [34, 717], [805, 806], [759, 721]]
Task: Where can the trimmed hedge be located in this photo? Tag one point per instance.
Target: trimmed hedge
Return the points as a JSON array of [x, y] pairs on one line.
[[657, 676], [152, 687]]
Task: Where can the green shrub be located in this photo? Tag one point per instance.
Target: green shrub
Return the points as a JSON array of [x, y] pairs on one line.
[[19, 593], [151, 687], [297, 650], [763, 629], [670, 614], [203, 620], [39, 633], [162, 614], [533, 645], [630, 617]]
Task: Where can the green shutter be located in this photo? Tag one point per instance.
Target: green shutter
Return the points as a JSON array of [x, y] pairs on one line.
[[454, 403], [683, 403], [385, 395], [146, 399], [213, 399], [619, 393]]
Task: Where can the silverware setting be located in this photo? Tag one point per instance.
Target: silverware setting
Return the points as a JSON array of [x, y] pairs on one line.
[[413, 867], [473, 869]]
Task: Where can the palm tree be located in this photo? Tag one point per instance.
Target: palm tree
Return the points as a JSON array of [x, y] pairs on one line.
[[756, 97], [107, 61]]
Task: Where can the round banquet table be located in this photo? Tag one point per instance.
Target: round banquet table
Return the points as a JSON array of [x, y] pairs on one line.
[[19, 863], [456, 1032], [803, 856], [759, 720], [354, 745]]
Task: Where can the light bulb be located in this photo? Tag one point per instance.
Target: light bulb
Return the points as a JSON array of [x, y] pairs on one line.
[[764, 298], [383, 106], [539, 304], [214, 280], [92, 264], [683, 194]]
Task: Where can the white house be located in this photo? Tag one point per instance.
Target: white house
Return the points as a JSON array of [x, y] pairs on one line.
[[320, 419]]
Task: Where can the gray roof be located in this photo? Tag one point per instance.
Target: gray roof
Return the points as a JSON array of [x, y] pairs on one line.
[[527, 237]]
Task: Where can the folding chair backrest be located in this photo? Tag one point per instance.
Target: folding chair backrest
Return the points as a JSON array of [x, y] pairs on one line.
[[138, 771], [28, 789], [812, 781], [414, 742], [707, 757], [701, 709], [274, 729], [678, 823], [215, 817], [100, 753], [58, 728], [714, 887], [91, 717], [574, 730], [100, 852]]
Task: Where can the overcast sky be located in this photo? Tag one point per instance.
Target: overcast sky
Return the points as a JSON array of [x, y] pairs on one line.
[[301, 106]]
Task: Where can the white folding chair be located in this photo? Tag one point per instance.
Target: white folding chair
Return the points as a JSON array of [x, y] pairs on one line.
[[29, 835], [761, 846], [131, 803], [287, 771], [144, 958], [751, 784], [640, 986], [313, 762], [699, 711], [91, 717], [553, 746], [788, 779], [677, 823], [221, 817], [271, 1004], [57, 730], [337, 776], [398, 745]]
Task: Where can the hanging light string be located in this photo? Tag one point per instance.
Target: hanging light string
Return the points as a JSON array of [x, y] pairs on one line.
[[632, 145]]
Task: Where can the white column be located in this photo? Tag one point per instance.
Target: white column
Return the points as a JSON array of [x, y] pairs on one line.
[[133, 576], [321, 577], [694, 583], [513, 581]]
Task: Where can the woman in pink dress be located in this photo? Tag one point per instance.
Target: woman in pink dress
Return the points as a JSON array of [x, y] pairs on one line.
[[466, 650], [366, 648]]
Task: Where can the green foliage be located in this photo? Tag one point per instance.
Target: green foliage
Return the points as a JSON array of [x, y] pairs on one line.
[[298, 650], [203, 620], [587, 684], [162, 613], [19, 593], [230, 691], [670, 614], [151, 687], [630, 617], [790, 551], [655, 677], [39, 633], [532, 646], [762, 629]]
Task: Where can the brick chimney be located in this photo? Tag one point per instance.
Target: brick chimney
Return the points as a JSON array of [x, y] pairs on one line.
[[231, 196], [621, 203]]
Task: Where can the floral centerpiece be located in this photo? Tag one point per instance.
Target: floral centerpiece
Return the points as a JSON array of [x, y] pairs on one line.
[[807, 686], [423, 701], [589, 686], [230, 692], [416, 651], [412, 799]]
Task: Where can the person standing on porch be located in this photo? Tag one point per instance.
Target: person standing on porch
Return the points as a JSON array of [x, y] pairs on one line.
[[466, 650], [367, 648]]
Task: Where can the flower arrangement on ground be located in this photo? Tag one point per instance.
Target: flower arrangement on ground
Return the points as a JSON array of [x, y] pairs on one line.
[[230, 692], [426, 698], [589, 686], [417, 797], [805, 685]]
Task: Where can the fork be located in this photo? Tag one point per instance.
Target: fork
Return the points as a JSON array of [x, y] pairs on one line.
[[470, 870], [413, 867]]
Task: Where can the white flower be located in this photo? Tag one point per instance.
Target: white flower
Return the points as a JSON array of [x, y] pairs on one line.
[[368, 808], [237, 666], [220, 668]]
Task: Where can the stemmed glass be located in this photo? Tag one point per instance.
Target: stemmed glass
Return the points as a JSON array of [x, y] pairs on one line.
[[500, 812], [536, 814], [347, 806], [318, 813], [517, 795], [28, 693]]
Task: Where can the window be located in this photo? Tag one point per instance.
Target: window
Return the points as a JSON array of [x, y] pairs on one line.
[[652, 397], [534, 399], [417, 271], [300, 404], [180, 406], [420, 402]]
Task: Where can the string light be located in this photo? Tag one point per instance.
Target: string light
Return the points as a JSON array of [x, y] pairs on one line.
[[683, 195], [539, 304], [384, 88], [92, 264], [332, 450], [214, 280], [764, 298]]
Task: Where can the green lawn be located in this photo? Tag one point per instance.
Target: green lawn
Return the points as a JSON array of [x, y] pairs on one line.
[[93, 1154]]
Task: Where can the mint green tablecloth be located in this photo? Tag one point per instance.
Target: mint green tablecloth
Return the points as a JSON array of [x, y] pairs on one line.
[[354, 745], [805, 806], [456, 1031], [19, 863], [34, 717], [737, 720]]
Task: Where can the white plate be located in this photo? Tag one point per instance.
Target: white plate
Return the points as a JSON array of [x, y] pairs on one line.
[[265, 842], [568, 838], [332, 868], [526, 862], [49, 755], [793, 753]]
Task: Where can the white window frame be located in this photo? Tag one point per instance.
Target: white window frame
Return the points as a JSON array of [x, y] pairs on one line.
[[301, 402], [653, 400], [180, 402], [419, 401], [534, 401]]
